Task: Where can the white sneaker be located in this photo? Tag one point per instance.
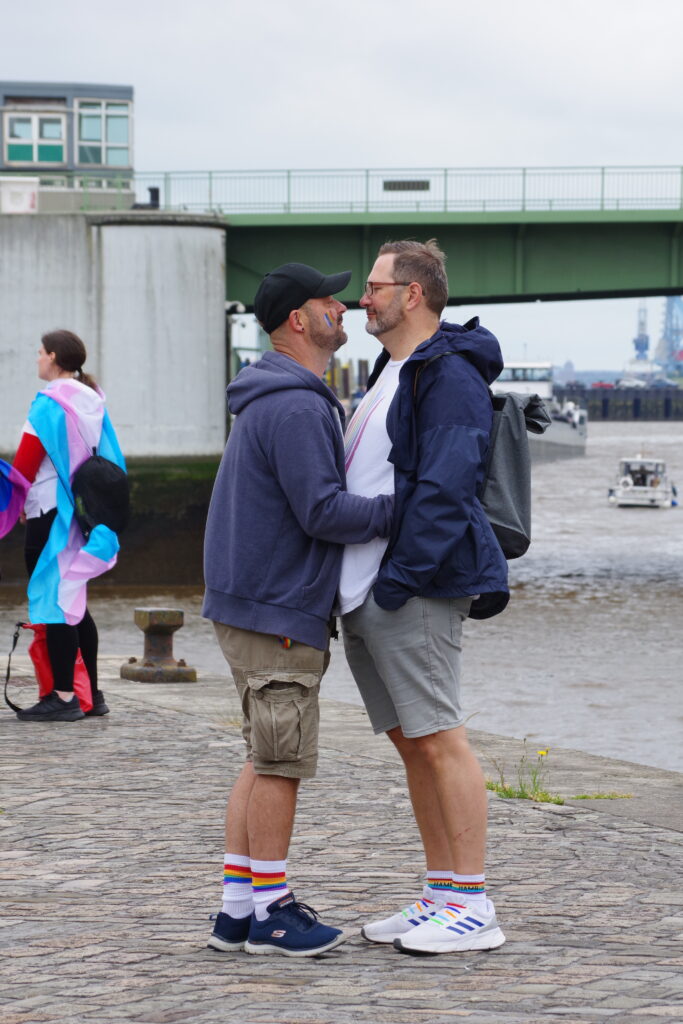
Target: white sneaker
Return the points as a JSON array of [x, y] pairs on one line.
[[453, 929], [405, 921]]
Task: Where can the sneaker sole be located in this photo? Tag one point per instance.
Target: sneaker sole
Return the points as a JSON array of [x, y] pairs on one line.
[[490, 940], [222, 946], [388, 939], [96, 714], [75, 717], [264, 949]]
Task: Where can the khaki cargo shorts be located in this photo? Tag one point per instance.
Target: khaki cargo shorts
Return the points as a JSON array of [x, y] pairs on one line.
[[278, 690]]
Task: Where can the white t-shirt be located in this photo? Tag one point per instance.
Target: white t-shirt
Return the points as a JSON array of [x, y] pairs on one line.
[[42, 495], [368, 472]]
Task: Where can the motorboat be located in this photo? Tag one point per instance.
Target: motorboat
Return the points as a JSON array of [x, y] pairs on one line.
[[568, 430], [644, 482]]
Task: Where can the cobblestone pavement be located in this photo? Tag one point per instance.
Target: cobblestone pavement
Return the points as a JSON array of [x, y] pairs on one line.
[[112, 857]]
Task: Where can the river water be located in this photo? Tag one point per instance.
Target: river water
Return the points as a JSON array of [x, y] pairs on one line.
[[588, 652]]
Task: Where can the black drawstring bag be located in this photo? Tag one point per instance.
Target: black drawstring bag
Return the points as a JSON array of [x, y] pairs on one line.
[[100, 495], [99, 490]]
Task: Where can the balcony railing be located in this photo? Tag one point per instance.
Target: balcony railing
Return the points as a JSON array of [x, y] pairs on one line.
[[388, 190]]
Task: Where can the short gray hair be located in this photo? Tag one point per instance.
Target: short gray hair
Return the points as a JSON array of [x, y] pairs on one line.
[[425, 263]]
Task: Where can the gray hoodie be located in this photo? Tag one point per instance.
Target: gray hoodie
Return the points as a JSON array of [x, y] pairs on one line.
[[279, 514]]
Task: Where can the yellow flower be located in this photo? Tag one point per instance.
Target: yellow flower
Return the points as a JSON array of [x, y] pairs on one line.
[[542, 753]]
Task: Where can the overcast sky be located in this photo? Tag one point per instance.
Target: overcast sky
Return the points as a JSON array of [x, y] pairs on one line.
[[389, 83]]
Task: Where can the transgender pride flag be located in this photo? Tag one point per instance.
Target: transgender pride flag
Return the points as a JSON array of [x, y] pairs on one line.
[[70, 420], [68, 417]]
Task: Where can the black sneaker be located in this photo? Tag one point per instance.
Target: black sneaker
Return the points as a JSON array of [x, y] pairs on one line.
[[291, 929], [51, 708], [99, 707], [229, 933]]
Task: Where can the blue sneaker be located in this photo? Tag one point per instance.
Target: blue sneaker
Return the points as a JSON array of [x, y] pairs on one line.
[[291, 929], [229, 933]]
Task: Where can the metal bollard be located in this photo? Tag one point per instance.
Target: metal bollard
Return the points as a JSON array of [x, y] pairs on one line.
[[158, 664]]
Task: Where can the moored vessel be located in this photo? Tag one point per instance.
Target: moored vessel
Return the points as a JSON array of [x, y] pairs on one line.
[[566, 436]]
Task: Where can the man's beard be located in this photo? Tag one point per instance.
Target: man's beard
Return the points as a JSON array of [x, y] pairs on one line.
[[384, 322], [327, 339]]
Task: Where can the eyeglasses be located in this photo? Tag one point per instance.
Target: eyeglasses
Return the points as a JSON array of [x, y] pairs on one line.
[[371, 285]]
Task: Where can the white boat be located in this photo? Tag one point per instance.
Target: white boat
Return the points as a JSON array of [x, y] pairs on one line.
[[642, 482], [567, 433]]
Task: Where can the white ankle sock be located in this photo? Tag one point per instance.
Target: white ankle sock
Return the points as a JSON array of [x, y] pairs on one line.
[[269, 883], [469, 890], [437, 886], [237, 896]]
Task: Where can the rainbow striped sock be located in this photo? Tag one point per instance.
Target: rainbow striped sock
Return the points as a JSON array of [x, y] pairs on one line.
[[237, 898], [269, 883], [437, 886], [468, 890]]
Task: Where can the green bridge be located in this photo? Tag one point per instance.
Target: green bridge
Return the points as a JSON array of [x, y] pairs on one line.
[[511, 234]]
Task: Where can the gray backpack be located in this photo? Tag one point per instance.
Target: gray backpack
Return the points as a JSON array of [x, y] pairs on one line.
[[505, 494]]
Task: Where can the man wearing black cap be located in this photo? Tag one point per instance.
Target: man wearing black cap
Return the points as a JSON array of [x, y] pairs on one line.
[[278, 520]]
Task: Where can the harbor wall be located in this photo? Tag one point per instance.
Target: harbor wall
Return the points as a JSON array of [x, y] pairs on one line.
[[163, 542], [626, 403]]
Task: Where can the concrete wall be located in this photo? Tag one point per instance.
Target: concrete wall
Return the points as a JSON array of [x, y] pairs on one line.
[[146, 294]]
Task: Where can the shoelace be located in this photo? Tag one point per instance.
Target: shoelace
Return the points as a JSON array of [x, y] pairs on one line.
[[420, 907], [302, 908]]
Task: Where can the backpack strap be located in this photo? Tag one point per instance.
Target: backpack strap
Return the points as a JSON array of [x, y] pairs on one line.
[[423, 366], [15, 639], [91, 451], [433, 359]]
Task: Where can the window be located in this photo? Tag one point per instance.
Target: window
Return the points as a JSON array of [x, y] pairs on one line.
[[526, 373], [34, 138], [103, 133]]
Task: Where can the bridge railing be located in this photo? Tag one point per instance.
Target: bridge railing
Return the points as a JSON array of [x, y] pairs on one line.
[[433, 190], [383, 190]]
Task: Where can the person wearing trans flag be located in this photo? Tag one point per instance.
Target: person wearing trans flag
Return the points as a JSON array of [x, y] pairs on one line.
[[66, 422]]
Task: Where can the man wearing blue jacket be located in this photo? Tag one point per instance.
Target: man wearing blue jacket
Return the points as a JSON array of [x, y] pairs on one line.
[[278, 519], [422, 432]]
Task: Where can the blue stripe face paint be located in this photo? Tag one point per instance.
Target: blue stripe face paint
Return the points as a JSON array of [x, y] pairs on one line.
[[328, 320]]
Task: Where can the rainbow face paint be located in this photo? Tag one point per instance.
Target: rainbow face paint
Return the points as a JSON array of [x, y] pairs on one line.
[[329, 321]]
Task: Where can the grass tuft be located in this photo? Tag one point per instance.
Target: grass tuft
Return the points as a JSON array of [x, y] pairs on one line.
[[540, 796], [530, 780], [531, 783]]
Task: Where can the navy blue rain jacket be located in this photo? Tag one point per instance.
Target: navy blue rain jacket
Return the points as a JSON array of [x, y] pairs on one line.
[[279, 513], [442, 544]]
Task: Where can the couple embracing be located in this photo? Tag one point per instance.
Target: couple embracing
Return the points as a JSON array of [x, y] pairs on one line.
[[379, 523]]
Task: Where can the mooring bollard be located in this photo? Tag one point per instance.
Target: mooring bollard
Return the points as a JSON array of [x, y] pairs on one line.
[[158, 664]]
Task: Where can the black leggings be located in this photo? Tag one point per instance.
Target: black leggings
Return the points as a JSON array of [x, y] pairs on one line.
[[63, 641]]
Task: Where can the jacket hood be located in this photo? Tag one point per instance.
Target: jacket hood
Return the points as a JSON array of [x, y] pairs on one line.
[[470, 340], [86, 404], [83, 399], [275, 372]]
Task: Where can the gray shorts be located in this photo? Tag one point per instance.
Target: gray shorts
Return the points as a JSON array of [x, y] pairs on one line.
[[406, 663], [278, 689]]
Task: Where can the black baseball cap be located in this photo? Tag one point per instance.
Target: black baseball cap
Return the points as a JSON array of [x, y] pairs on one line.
[[288, 287]]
